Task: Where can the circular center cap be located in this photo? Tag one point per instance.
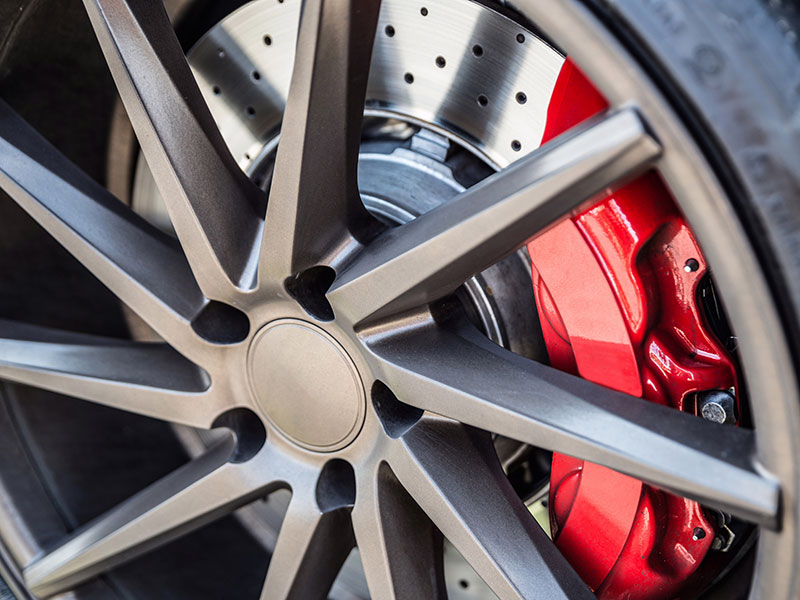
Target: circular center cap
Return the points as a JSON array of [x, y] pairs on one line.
[[306, 384]]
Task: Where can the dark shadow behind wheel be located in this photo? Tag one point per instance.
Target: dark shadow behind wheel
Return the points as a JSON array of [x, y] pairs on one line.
[[730, 67]]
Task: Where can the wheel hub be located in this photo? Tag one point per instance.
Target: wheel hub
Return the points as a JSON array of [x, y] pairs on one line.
[[306, 384]]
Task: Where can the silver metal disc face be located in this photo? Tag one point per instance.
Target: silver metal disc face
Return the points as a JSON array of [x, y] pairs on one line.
[[306, 384], [459, 66], [461, 69]]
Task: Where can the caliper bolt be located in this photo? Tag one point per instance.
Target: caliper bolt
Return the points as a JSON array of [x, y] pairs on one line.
[[718, 406]]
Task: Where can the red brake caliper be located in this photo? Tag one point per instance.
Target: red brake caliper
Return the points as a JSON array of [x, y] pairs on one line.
[[617, 295]]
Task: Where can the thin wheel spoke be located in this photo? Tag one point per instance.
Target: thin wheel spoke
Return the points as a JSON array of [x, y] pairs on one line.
[[206, 488], [313, 544], [432, 255], [455, 477], [149, 379], [314, 202], [142, 266], [465, 377], [212, 204], [400, 548]]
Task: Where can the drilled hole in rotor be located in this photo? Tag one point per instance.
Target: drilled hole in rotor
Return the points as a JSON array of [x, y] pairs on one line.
[[463, 584], [220, 52], [248, 430], [520, 38], [216, 90], [423, 11], [309, 288], [256, 75], [267, 40], [389, 31], [396, 417], [221, 323], [251, 112], [483, 99], [440, 62], [336, 487], [409, 78], [516, 146], [522, 97], [477, 50]]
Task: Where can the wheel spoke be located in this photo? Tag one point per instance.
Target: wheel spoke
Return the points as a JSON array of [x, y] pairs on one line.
[[212, 204], [313, 544], [434, 254], [204, 489], [465, 377], [142, 266], [314, 203], [455, 477], [149, 379], [400, 548]]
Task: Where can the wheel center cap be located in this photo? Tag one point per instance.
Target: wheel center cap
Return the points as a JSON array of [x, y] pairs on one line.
[[306, 384]]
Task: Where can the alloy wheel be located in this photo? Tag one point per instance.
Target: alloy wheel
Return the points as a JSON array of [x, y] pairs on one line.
[[330, 348]]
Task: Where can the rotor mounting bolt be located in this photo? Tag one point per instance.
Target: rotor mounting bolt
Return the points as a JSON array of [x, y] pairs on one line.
[[718, 406]]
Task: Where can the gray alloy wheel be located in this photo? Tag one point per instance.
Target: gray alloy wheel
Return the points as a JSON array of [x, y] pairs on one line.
[[316, 338]]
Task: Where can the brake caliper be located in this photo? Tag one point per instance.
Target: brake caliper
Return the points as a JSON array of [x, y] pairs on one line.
[[617, 290]]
